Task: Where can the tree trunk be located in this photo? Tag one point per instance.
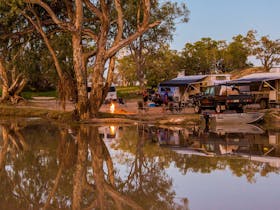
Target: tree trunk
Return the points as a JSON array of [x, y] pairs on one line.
[[82, 106], [10, 93], [4, 80], [96, 96], [139, 60]]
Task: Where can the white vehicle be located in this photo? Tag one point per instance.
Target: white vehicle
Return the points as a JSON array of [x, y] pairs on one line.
[[111, 95]]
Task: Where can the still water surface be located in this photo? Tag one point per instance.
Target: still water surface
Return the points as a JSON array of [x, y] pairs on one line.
[[52, 166]]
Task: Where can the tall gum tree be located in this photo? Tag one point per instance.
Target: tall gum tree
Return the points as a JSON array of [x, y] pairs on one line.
[[97, 30], [149, 43]]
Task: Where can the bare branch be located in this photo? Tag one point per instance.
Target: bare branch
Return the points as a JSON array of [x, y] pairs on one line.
[[64, 25], [120, 21], [90, 34], [93, 9], [130, 39], [38, 27], [69, 9]]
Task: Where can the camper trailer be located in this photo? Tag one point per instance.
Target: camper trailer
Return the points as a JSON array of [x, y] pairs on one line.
[[182, 89], [265, 87]]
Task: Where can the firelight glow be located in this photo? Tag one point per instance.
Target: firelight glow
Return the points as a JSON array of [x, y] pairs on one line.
[[112, 108]]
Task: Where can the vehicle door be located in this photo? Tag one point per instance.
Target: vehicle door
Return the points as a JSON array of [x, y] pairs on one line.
[[208, 99]]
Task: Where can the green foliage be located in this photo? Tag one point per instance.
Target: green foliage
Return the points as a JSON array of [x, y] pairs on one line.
[[202, 56], [128, 92], [168, 13], [208, 56], [266, 50], [161, 65], [127, 70], [236, 54], [30, 94]]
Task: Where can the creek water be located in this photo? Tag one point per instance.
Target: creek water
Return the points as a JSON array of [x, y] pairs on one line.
[[45, 165]]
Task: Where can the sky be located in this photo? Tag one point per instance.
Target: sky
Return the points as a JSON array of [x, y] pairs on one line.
[[223, 19]]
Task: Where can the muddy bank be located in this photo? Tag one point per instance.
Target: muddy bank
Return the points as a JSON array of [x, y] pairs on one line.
[[272, 116], [103, 117]]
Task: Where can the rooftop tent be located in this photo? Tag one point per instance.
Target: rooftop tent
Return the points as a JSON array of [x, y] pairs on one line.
[[258, 77], [185, 80]]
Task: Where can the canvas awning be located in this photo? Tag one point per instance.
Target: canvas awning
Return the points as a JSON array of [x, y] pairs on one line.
[[182, 81], [259, 77]]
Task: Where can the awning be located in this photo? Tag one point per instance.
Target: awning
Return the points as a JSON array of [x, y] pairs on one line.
[[259, 77], [182, 81]]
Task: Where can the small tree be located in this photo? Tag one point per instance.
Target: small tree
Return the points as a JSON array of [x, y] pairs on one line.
[[264, 49], [268, 52]]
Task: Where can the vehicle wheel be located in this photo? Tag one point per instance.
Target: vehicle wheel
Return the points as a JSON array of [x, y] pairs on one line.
[[218, 108], [263, 104], [197, 109]]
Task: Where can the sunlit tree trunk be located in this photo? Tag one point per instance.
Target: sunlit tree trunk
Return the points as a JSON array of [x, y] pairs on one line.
[[80, 71]]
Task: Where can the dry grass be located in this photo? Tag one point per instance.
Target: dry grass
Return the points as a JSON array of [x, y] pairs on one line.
[[12, 111]]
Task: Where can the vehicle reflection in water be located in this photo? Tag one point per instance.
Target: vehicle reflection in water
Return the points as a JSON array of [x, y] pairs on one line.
[[245, 140], [49, 166]]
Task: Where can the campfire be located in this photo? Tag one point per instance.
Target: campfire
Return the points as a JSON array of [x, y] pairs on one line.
[[112, 108]]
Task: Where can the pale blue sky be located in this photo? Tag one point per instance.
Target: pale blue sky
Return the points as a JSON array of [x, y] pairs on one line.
[[223, 19]]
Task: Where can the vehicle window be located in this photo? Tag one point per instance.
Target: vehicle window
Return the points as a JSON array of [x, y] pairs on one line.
[[112, 89], [212, 91]]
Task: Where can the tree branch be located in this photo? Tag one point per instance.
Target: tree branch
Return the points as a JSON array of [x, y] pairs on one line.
[[38, 27], [93, 9], [64, 25], [119, 22], [90, 34], [130, 39]]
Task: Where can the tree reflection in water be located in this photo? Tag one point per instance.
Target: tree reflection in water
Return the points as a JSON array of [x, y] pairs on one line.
[[45, 166], [71, 168]]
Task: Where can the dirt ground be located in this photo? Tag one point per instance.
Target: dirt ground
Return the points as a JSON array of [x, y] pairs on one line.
[[130, 107]]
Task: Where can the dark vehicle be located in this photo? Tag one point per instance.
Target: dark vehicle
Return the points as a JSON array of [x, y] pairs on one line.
[[221, 98]]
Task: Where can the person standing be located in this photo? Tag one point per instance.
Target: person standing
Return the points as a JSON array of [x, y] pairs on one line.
[[145, 97], [165, 100]]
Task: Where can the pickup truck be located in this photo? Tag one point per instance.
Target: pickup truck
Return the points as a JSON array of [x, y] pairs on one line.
[[221, 98]]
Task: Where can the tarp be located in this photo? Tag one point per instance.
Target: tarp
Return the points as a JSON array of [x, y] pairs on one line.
[[185, 80], [258, 77]]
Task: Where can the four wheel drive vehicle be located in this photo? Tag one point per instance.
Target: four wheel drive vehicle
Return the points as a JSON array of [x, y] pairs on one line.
[[221, 98]]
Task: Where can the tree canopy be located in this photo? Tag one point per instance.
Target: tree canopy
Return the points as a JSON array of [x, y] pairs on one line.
[[97, 30]]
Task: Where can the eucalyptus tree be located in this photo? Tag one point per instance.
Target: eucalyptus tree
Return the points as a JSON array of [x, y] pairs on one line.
[[234, 55], [96, 29], [264, 49], [160, 65], [169, 13], [201, 56]]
